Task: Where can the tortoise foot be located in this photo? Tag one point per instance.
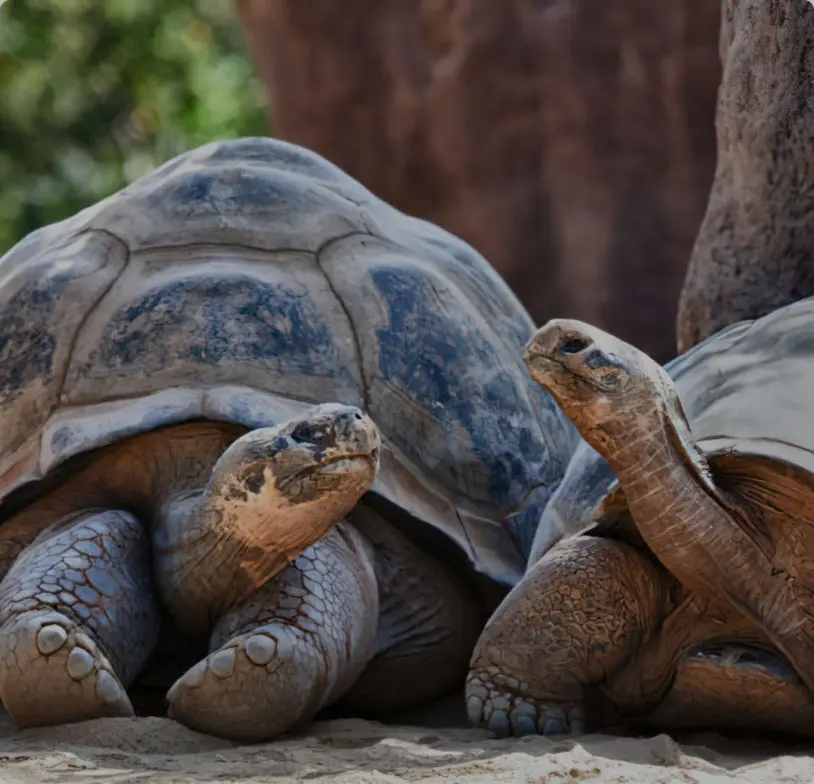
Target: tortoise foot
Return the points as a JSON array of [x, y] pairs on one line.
[[577, 615], [253, 688], [496, 706], [77, 620], [52, 672], [294, 647]]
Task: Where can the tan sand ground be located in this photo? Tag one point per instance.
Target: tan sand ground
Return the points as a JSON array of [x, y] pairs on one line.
[[348, 751]]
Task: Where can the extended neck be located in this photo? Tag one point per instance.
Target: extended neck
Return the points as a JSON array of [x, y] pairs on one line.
[[681, 517], [675, 504]]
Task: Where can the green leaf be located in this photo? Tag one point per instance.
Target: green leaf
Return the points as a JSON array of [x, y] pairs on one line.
[[95, 93]]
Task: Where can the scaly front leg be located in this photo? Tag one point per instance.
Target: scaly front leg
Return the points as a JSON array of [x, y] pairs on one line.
[[579, 614], [294, 647], [77, 620]]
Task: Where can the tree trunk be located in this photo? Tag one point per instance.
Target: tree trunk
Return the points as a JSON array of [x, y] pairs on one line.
[[572, 143], [755, 248]]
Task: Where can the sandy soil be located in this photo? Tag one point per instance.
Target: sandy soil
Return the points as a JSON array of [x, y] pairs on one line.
[[351, 751]]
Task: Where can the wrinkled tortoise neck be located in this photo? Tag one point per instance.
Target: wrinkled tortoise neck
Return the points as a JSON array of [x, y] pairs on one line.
[[687, 523], [677, 508], [671, 495]]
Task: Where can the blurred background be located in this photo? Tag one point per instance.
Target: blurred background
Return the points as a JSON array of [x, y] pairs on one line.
[[572, 142]]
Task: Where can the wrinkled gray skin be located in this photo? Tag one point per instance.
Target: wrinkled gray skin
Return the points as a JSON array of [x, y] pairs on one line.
[[162, 447]]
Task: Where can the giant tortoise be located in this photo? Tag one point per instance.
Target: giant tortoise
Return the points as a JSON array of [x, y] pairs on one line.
[[680, 593], [195, 377]]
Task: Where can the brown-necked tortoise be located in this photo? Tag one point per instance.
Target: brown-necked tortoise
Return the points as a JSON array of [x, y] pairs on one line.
[[680, 592]]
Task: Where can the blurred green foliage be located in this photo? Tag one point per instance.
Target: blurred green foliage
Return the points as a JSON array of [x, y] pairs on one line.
[[94, 93]]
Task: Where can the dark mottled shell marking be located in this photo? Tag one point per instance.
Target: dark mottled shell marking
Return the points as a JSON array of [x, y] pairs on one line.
[[427, 352], [26, 351], [237, 319]]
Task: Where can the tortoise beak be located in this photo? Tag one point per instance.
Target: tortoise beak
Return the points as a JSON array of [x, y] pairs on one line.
[[541, 358], [543, 353], [542, 348], [543, 343], [544, 370]]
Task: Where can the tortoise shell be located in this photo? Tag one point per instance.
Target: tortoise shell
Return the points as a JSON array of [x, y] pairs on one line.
[[248, 279], [745, 391]]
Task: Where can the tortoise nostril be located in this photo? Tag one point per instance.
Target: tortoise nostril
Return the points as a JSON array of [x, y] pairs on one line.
[[573, 345], [358, 417]]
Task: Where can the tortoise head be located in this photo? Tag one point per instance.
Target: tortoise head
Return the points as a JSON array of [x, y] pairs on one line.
[[609, 389], [324, 454]]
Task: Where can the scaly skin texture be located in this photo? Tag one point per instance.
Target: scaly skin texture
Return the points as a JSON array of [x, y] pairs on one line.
[[430, 621], [292, 648], [626, 407], [215, 497], [598, 632], [273, 493], [579, 613], [730, 590], [362, 614], [77, 621]]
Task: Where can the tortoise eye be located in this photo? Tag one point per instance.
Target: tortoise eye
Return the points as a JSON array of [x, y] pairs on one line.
[[318, 435], [573, 345]]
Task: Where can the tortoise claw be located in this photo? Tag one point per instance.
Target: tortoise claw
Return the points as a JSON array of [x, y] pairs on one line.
[[504, 712]]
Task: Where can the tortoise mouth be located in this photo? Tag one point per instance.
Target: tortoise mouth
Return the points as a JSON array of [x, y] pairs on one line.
[[546, 371], [544, 359], [543, 367], [335, 464]]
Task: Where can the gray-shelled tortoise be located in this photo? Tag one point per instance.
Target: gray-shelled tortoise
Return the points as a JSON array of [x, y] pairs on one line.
[[204, 364], [687, 598]]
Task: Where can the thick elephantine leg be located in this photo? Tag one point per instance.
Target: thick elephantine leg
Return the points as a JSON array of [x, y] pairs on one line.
[[292, 648], [430, 621], [77, 620], [577, 615]]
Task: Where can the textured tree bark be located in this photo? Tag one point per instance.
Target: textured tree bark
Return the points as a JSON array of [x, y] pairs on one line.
[[570, 141], [755, 248]]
